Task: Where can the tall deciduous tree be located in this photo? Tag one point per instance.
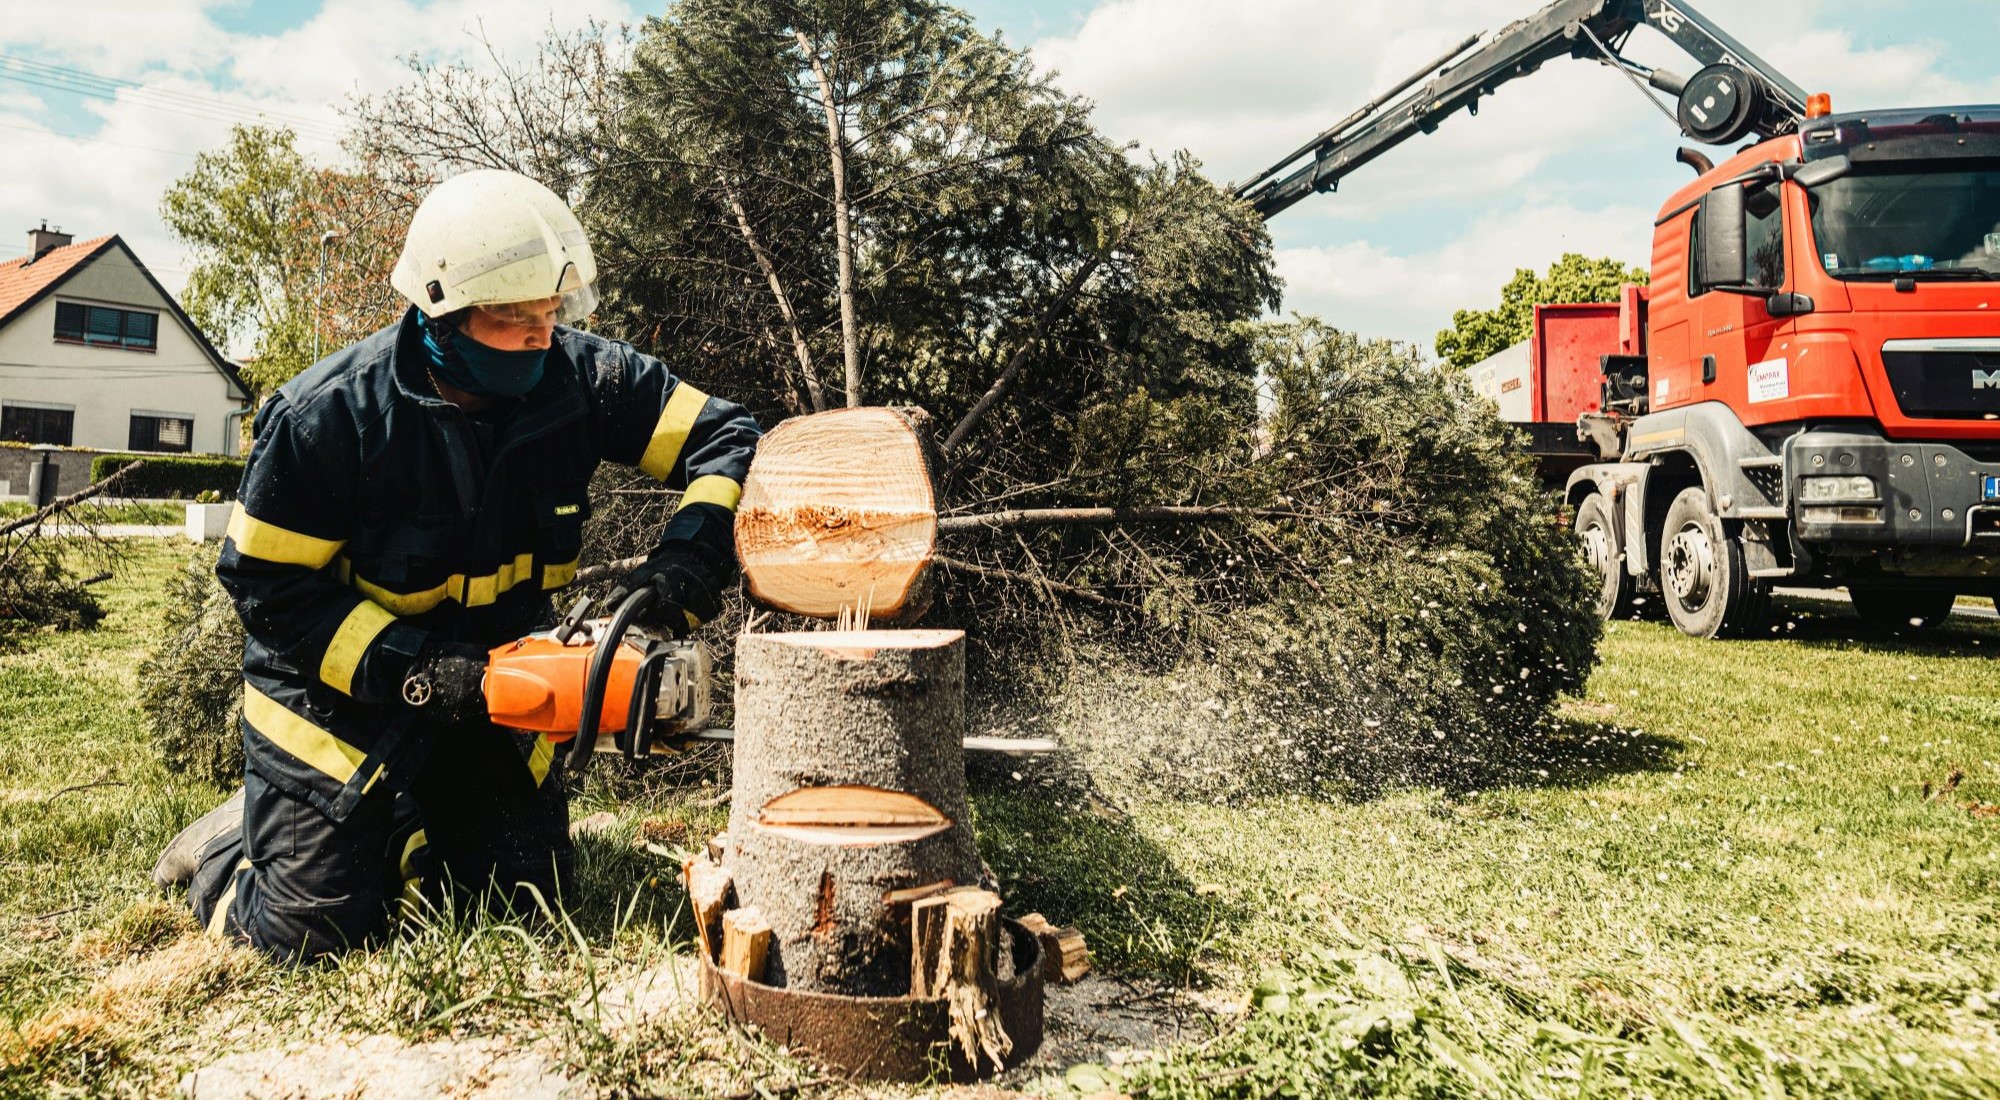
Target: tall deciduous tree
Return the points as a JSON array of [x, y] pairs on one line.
[[1477, 333], [256, 214]]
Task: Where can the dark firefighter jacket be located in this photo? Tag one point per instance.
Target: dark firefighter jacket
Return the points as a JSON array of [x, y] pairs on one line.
[[373, 512]]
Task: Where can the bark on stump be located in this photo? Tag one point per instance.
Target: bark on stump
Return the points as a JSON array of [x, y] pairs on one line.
[[849, 788]]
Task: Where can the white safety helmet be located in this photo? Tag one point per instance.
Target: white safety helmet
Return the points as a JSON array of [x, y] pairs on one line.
[[488, 238]]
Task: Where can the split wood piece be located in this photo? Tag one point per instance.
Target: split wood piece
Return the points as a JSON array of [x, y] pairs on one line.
[[848, 784], [746, 940], [707, 885], [1065, 956], [955, 955], [839, 512]]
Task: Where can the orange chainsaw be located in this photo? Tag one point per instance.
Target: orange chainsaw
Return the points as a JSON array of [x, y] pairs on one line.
[[607, 685], [603, 684]]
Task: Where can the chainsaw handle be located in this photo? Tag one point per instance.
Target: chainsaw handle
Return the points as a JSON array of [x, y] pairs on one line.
[[599, 674]]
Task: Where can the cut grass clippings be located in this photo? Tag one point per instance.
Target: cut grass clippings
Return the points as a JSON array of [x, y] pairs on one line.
[[1735, 868]]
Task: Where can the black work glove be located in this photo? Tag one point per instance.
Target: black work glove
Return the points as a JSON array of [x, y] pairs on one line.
[[687, 586], [446, 682]]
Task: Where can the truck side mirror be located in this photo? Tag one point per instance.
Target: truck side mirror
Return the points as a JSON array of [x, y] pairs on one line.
[[1723, 262], [1822, 171]]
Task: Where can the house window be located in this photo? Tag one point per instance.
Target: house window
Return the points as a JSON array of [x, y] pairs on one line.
[[125, 328], [37, 423], [153, 431]]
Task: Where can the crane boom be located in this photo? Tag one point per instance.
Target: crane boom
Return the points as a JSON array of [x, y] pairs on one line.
[[1736, 93]]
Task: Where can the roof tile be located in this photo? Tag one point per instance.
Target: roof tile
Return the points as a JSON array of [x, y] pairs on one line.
[[22, 279]]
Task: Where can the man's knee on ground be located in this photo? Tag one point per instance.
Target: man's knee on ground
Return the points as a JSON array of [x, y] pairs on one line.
[[302, 934]]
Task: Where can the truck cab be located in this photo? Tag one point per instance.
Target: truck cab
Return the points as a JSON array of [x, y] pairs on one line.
[[1814, 398]]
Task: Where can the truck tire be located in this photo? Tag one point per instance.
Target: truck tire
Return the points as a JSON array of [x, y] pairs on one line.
[[1598, 538], [1899, 609], [1707, 584]]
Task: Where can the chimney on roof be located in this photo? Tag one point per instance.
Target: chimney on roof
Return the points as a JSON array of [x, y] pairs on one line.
[[42, 239]]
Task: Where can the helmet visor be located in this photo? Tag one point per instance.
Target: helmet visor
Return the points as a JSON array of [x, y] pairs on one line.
[[556, 309]]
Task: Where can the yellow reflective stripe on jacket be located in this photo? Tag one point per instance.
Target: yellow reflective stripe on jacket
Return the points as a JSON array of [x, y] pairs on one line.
[[671, 433], [402, 603], [270, 542], [470, 591], [486, 589], [712, 489], [555, 576], [218, 921], [544, 754], [318, 749], [350, 642]]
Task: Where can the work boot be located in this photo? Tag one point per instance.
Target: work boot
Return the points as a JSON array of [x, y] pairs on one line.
[[183, 854]]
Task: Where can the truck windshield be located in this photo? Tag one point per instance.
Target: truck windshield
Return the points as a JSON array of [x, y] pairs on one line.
[[1910, 220]]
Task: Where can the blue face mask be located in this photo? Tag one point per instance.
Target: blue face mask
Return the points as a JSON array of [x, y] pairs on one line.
[[483, 371]]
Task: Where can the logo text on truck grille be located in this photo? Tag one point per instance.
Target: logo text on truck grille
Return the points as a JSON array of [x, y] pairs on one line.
[[1986, 379]]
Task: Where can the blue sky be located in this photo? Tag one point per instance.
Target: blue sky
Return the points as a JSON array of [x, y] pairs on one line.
[[1568, 159]]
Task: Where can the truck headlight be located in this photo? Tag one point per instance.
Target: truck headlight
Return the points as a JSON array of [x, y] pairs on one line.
[[1816, 490], [1849, 513]]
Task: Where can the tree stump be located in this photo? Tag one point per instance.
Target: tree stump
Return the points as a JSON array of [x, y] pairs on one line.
[[849, 798], [839, 513]]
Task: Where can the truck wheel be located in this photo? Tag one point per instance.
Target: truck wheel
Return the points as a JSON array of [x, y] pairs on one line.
[[1707, 584], [1606, 558], [1902, 610]]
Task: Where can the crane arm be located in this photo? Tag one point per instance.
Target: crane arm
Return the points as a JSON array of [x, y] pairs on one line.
[[1734, 94]]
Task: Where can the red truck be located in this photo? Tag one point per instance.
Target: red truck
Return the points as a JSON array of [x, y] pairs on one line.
[[1809, 390]]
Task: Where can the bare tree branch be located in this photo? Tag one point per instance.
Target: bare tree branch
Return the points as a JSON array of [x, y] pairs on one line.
[[850, 340], [1098, 517], [1019, 359], [75, 498], [784, 301], [1084, 594]]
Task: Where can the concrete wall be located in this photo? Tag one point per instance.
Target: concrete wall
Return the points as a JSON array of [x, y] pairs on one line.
[[107, 385], [73, 469]]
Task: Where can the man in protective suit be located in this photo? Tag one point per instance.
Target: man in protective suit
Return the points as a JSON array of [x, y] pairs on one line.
[[410, 502]]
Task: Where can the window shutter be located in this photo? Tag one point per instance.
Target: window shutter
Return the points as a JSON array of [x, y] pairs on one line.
[[107, 326], [140, 329], [174, 434], [69, 320]]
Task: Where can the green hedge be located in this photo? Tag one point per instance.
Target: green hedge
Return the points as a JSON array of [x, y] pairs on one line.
[[185, 476]]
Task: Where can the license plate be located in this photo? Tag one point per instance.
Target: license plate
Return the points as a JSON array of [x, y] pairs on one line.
[[1992, 488]]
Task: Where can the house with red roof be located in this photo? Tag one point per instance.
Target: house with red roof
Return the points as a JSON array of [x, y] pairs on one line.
[[95, 353]]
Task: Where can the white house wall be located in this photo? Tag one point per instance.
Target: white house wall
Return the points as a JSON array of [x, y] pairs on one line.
[[107, 385]]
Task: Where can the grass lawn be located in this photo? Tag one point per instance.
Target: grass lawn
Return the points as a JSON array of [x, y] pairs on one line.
[[1736, 868], [170, 512]]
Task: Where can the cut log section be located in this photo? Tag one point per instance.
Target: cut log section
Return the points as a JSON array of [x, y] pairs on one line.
[[839, 513], [707, 886], [746, 940], [849, 788], [1065, 956]]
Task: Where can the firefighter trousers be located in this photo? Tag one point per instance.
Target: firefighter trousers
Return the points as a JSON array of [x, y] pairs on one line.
[[485, 819]]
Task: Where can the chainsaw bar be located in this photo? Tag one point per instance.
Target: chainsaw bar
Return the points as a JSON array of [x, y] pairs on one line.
[[673, 743]]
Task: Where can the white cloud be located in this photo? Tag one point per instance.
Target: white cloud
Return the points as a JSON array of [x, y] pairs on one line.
[[1368, 288], [112, 181]]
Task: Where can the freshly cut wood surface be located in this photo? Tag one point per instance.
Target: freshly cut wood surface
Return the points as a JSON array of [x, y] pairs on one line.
[[1065, 956], [849, 805], [746, 941], [707, 885], [839, 513]]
